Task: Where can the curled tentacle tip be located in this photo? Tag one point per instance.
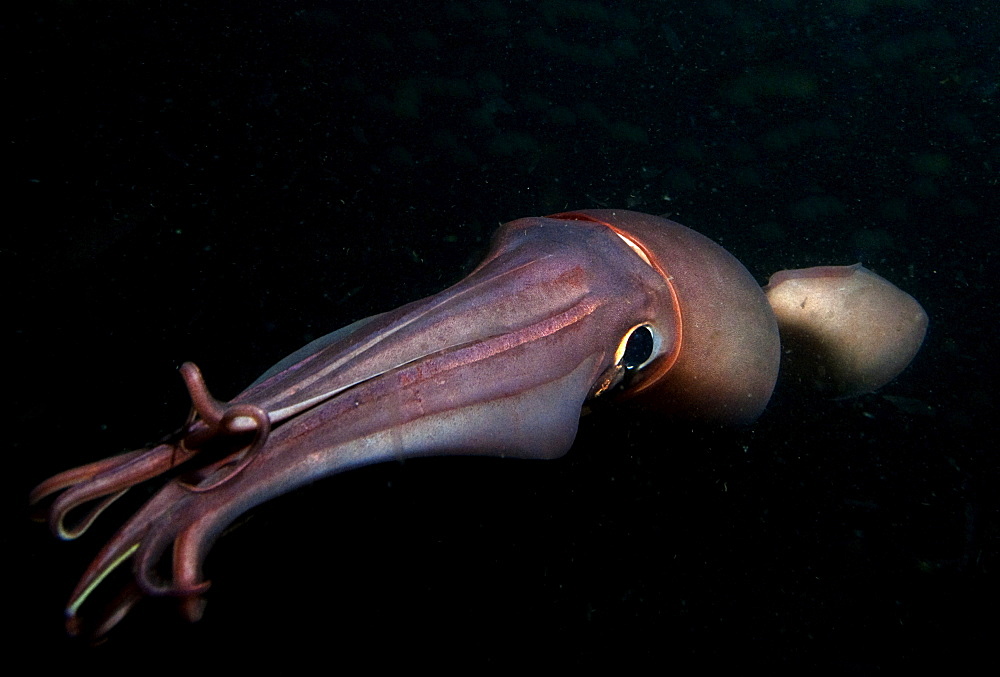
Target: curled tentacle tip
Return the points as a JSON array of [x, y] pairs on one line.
[[94, 634], [94, 629], [208, 408], [69, 501], [189, 370], [193, 608], [150, 585], [192, 590]]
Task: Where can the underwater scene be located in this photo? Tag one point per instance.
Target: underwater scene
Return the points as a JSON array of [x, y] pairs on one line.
[[222, 183]]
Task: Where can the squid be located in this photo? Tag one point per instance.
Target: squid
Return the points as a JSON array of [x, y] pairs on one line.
[[565, 309]]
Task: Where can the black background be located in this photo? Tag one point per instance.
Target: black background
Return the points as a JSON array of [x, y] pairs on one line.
[[223, 181]]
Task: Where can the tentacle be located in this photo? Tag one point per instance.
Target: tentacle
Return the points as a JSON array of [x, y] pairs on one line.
[[206, 518], [154, 515], [217, 415], [75, 476], [71, 478], [151, 551], [175, 517], [190, 549], [185, 514], [207, 406], [109, 478], [130, 595], [242, 458]]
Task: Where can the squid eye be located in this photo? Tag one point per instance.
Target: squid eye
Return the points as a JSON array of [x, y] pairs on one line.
[[641, 344]]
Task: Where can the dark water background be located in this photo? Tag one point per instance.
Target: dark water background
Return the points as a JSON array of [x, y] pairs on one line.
[[223, 181]]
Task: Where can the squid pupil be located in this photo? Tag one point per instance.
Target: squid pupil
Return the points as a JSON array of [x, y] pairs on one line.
[[638, 349]]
